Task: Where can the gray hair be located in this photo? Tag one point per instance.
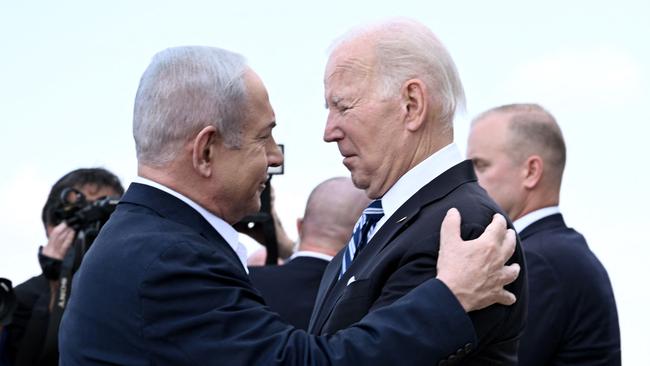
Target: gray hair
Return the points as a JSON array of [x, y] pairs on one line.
[[183, 90], [533, 130], [406, 49]]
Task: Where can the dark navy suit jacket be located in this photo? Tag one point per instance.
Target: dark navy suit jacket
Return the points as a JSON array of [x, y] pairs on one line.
[[290, 289], [572, 318], [403, 253], [160, 286]]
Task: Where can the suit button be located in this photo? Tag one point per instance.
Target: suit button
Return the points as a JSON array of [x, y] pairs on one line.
[[468, 347]]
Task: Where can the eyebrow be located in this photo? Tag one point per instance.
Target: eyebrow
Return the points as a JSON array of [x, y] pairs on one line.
[[335, 101]]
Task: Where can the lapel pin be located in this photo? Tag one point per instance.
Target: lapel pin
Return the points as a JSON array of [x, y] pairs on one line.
[[352, 279], [400, 220]]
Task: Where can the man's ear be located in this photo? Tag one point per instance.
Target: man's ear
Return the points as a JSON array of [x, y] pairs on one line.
[[414, 97], [203, 150], [534, 171], [299, 225]]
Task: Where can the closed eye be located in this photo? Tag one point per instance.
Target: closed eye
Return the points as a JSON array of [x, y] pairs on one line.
[[479, 164]]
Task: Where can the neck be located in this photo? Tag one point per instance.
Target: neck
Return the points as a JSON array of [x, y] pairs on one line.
[[535, 202], [316, 246]]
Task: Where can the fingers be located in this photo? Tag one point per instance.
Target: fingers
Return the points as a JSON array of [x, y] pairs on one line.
[[450, 229], [496, 230], [507, 275], [510, 273], [59, 230], [67, 239], [59, 241], [505, 298], [508, 245]]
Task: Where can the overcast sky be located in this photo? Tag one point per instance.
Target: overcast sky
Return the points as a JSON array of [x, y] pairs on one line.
[[69, 71]]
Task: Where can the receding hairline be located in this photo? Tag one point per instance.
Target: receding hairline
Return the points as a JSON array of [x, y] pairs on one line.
[[531, 130], [435, 67]]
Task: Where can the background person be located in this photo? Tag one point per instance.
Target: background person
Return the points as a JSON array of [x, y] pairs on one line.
[[330, 214], [27, 334], [519, 155]]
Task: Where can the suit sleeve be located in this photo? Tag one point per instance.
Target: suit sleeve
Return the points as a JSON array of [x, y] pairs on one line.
[[198, 308], [419, 265]]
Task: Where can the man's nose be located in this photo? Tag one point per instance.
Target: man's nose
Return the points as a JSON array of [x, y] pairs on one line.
[[332, 131], [275, 156]]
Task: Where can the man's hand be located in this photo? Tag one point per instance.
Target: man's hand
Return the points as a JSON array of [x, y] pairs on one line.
[[59, 241], [475, 270]]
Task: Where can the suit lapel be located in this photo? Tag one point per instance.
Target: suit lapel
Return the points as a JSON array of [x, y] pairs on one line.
[[331, 289], [327, 283], [432, 192]]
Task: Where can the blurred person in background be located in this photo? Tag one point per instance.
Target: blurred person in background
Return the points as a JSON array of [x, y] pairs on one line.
[[332, 210], [28, 335], [519, 156]]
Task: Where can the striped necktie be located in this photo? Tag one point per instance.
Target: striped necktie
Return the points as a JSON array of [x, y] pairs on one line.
[[371, 215]]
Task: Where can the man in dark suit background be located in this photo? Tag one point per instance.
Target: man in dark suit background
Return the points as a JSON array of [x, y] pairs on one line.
[[165, 281], [519, 155], [392, 90], [330, 214]]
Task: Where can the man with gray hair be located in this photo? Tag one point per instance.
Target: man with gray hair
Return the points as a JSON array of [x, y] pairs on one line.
[[165, 282], [330, 214], [392, 90], [519, 156]]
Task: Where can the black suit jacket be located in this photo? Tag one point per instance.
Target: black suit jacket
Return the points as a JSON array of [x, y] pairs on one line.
[[290, 289], [572, 318], [31, 316], [403, 253], [160, 286]]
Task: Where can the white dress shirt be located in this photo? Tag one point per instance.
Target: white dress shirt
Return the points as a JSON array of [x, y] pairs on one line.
[[416, 178], [311, 254], [223, 228], [523, 222]]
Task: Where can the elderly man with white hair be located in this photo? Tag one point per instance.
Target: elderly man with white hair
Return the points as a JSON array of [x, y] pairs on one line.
[[392, 90]]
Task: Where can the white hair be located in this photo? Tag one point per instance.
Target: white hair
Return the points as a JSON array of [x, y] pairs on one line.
[[183, 90], [406, 49]]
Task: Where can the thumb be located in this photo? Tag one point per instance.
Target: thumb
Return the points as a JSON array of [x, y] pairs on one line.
[[450, 228]]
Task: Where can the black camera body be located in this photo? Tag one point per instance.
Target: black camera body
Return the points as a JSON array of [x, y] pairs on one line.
[[82, 215], [86, 219]]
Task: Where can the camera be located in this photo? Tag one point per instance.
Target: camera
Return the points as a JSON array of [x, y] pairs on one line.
[[7, 301], [82, 215], [86, 219]]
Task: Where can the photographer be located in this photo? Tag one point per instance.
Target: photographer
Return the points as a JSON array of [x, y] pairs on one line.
[[75, 203]]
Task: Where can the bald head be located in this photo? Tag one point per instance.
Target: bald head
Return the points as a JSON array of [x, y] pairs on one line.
[[332, 210], [519, 155]]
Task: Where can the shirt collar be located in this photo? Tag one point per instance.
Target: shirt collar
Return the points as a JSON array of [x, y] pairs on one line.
[[223, 228], [416, 178], [523, 222], [309, 253]]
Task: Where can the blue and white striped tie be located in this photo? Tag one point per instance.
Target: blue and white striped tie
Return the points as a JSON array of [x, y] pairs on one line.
[[371, 215]]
